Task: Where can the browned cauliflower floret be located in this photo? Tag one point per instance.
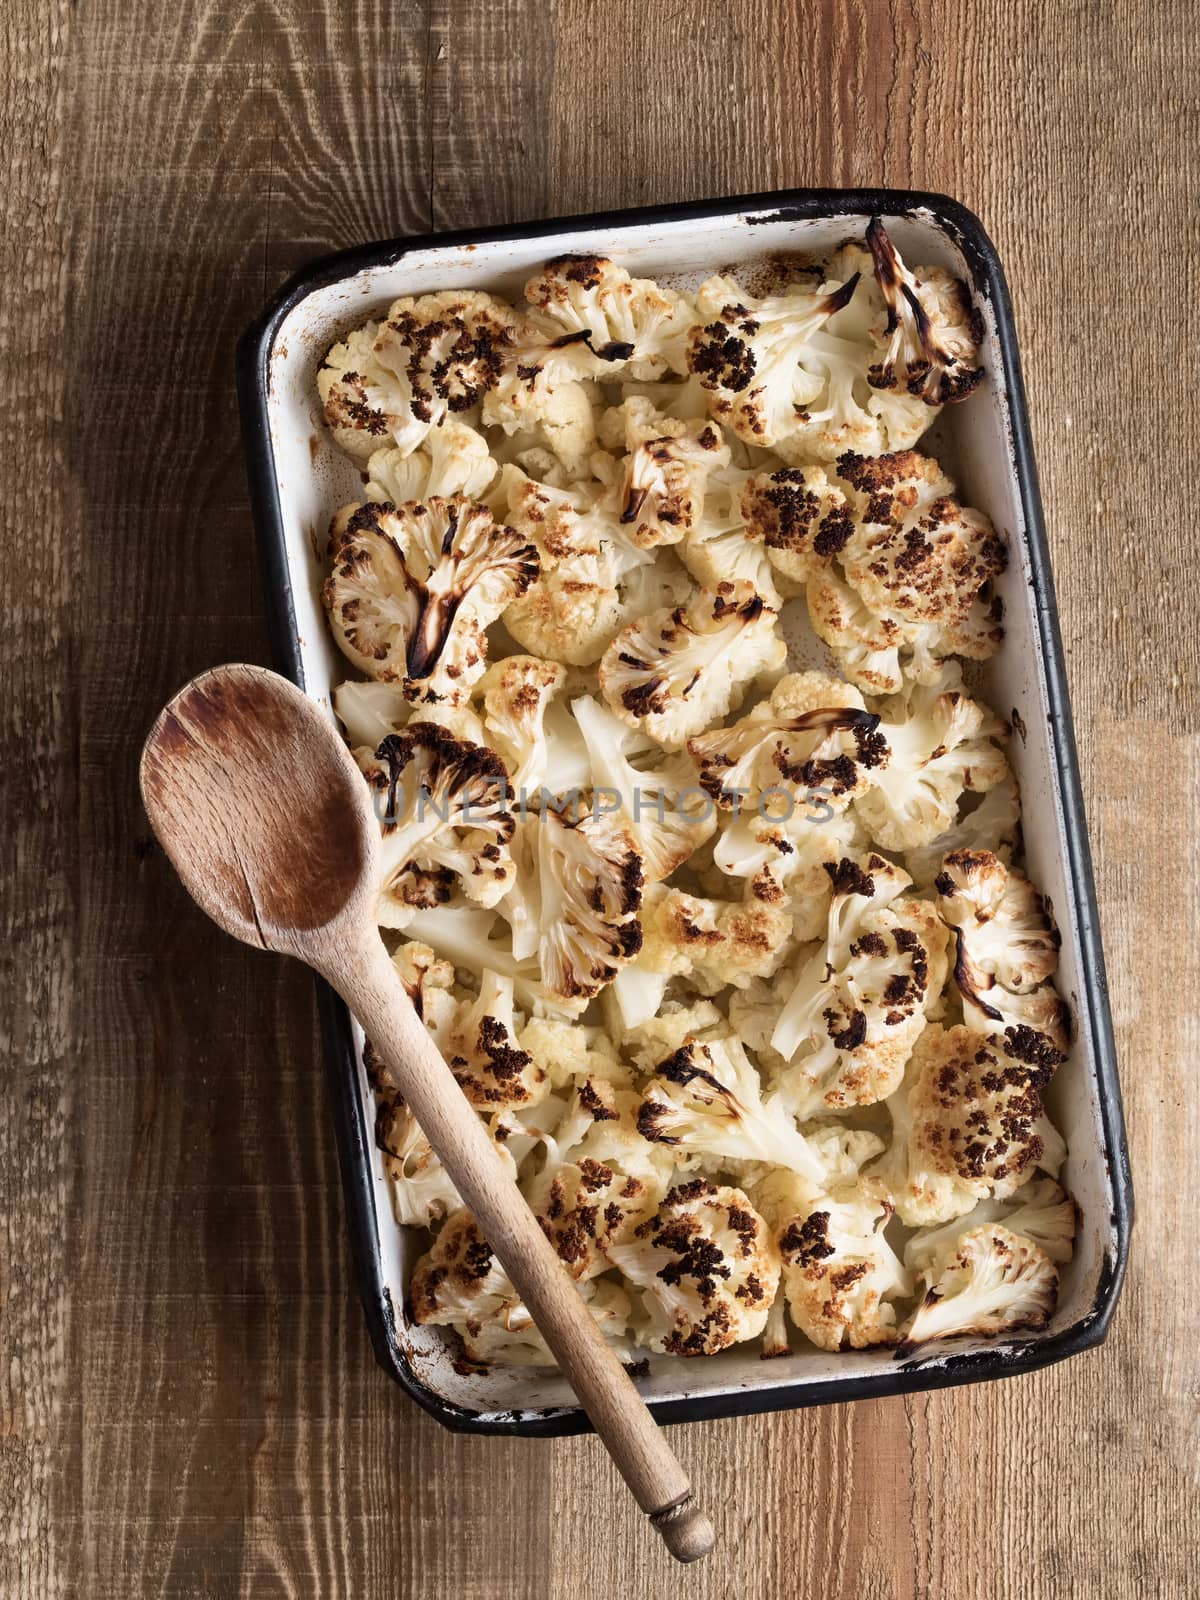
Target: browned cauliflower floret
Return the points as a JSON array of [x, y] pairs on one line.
[[413, 587], [706, 1270], [987, 1281], [1006, 954], [966, 1123], [459, 1283], [579, 889], [713, 943], [433, 356], [628, 326], [813, 735], [706, 1099], [443, 807], [841, 1278], [659, 497], [479, 1043], [932, 331], [674, 673], [800, 516], [529, 725], [657, 801], [936, 744], [859, 1003], [913, 583]]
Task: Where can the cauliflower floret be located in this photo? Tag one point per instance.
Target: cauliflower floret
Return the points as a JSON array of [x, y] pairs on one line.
[[814, 735], [658, 1037], [674, 673], [722, 546], [995, 823], [1041, 1212], [1006, 953], [801, 519], [988, 1281], [453, 460], [712, 943], [932, 332], [567, 1051], [791, 371], [648, 802], [860, 1002], [787, 862], [936, 746], [580, 888], [526, 721], [432, 356], [429, 983], [443, 810], [413, 587], [459, 1283], [706, 1268], [598, 1122], [705, 1098], [479, 1043], [840, 1275], [370, 711], [916, 579], [585, 1206], [966, 1124], [660, 496], [629, 326], [757, 357]]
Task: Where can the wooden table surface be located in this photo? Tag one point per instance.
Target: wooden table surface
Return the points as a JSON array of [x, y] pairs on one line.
[[188, 1401]]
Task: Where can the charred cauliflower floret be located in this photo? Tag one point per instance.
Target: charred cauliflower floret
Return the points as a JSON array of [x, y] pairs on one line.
[[713, 943], [932, 332], [786, 861], [524, 720], [480, 1046], [813, 735], [587, 877], [966, 1123], [454, 459], [413, 587], [859, 1004], [668, 819], [459, 1283], [443, 808], [706, 1099], [988, 1281], [629, 326], [913, 583], [995, 824], [937, 744], [433, 356], [801, 518], [1006, 953], [721, 546], [674, 673], [1040, 1212], [791, 371], [841, 1278], [705, 1270], [660, 493]]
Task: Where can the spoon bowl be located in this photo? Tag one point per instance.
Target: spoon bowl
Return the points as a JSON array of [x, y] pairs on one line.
[[260, 807]]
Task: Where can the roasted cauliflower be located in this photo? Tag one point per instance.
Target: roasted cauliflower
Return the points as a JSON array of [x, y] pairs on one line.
[[721, 928]]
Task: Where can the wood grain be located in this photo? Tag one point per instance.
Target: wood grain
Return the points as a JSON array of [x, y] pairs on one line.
[[188, 1404]]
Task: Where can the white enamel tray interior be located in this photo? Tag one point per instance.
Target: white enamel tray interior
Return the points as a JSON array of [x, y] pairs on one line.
[[973, 441]]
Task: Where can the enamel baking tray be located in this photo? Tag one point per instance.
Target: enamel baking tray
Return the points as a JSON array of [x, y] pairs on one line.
[[297, 479]]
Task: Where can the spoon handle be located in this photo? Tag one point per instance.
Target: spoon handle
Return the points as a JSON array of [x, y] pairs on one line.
[[364, 976]]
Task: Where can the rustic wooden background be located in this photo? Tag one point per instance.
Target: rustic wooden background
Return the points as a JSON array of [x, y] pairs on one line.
[[188, 1403]]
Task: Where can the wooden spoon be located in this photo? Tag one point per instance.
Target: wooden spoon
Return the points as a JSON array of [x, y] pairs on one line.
[[268, 822]]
